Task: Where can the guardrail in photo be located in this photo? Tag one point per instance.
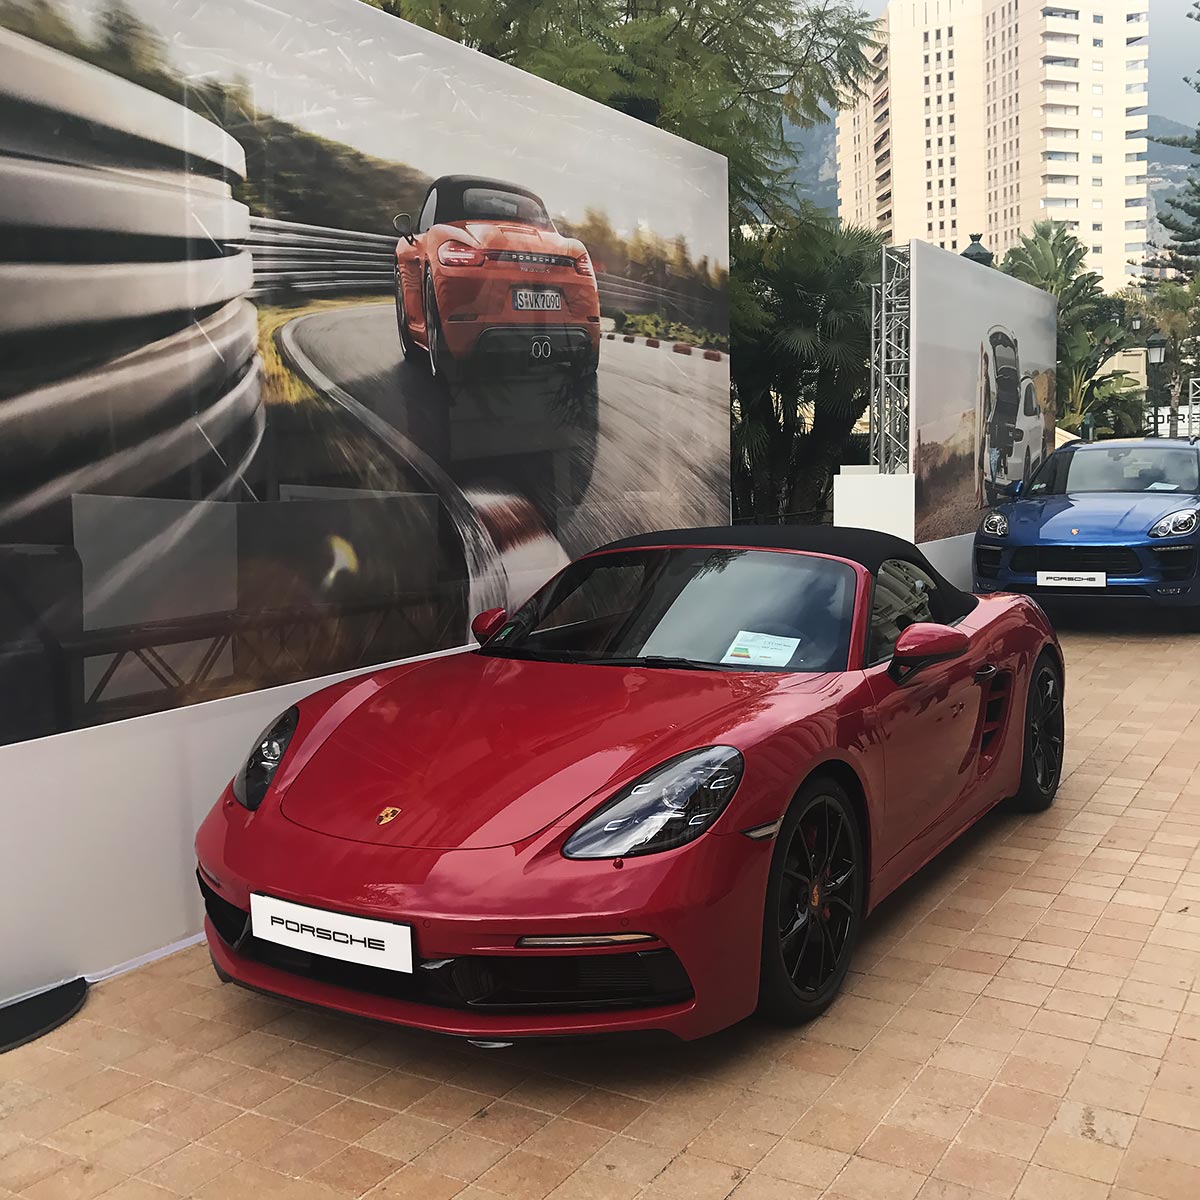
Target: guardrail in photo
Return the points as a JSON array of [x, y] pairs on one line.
[[290, 256]]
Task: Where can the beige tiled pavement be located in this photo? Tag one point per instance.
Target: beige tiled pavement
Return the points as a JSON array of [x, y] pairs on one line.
[[1023, 1021]]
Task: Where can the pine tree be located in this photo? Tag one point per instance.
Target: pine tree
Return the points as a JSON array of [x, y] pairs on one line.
[[1183, 221]]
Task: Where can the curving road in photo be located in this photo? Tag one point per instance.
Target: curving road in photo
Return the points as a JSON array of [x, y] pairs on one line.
[[657, 455]]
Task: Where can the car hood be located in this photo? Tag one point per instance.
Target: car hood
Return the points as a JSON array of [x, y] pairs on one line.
[[479, 751], [505, 235], [1090, 515]]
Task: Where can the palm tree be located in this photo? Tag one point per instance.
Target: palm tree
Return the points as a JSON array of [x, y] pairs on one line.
[[1112, 399], [1051, 258], [1173, 308], [800, 350]]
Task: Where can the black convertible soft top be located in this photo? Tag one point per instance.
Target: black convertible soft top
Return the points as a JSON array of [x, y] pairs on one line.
[[866, 546]]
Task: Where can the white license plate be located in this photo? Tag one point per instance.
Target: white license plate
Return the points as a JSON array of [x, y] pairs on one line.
[[334, 935], [1081, 579], [527, 300]]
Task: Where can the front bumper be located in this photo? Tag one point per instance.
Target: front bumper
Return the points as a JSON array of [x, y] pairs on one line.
[[468, 908], [1163, 571]]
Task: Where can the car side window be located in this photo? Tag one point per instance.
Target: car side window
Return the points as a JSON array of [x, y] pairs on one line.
[[903, 595], [1031, 404], [426, 218]]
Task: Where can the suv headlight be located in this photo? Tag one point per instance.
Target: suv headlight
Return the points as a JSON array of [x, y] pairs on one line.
[[1176, 524], [667, 807], [251, 782], [995, 524]]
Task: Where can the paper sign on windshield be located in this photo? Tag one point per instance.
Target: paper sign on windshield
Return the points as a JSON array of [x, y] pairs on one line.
[[760, 649]]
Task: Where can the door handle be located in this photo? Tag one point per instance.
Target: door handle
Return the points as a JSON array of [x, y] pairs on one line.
[[986, 672]]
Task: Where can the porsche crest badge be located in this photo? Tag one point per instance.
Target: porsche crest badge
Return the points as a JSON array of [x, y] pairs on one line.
[[386, 815]]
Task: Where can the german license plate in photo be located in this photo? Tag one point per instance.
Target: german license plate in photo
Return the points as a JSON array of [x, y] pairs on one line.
[[529, 300], [1079, 579], [334, 935]]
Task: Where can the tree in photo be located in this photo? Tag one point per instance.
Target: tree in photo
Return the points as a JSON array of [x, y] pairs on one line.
[[726, 74]]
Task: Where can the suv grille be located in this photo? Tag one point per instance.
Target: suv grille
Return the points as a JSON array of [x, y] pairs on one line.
[[1112, 560], [1176, 562], [987, 561]]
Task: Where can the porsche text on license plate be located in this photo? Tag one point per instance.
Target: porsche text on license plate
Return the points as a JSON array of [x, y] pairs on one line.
[[1080, 579], [528, 300], [334, 935]]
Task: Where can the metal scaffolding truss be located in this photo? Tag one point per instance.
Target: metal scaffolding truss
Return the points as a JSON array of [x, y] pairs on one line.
[[890, 330]]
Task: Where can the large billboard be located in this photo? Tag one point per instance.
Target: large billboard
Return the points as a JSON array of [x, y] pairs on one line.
[[319, 332], [982, 356]]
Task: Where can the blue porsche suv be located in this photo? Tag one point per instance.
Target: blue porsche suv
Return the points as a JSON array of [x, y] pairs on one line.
[[1116, 519]]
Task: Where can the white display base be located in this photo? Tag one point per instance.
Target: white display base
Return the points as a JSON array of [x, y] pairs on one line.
[[952, 557], [864, 498]]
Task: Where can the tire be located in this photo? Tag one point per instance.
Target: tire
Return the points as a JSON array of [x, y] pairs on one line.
[[440, 362], [408, 348], [807, 946], [1041, 760]]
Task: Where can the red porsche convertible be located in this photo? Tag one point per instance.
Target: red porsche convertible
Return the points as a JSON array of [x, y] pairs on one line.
[[661, 795], [485, 273]]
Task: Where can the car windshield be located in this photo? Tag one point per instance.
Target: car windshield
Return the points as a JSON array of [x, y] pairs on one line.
[[1006, 356], [708, 609], [496, 204], [1119, 469]]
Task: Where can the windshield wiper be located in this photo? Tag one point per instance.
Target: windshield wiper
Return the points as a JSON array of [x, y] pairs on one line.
[[655, 660], [529, 655]]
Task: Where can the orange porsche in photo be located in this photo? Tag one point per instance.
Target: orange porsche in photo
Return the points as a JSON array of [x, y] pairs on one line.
[[484, 274]]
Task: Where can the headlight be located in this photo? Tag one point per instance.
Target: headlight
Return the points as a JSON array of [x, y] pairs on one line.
[[995, 524], [667, 807], [1175, 524], [251, 782]]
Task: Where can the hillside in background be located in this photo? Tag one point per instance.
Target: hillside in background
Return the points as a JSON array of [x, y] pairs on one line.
[[1167, 167], [815, 176]]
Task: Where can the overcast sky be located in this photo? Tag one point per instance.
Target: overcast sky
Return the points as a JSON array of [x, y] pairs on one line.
[[344, 70]]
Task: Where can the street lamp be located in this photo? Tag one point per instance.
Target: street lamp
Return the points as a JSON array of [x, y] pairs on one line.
[[1156, 349], [977, 252], [1136, 323]]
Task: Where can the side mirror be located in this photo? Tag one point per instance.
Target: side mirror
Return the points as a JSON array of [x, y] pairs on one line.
[[1018, 435], [1014, 489], [922, 644], [487, 623], [402, 223]]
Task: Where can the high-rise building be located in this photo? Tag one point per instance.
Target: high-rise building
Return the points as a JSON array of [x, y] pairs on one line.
[[984, 116]]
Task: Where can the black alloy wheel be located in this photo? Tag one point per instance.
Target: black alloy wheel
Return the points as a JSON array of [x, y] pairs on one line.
[[407, 346], [814, 904], [1041, 768], [433, 332]]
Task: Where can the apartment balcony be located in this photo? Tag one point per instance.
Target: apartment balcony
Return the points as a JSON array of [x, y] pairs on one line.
[[1059, 21], [1054, 190], [1057, 136]]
